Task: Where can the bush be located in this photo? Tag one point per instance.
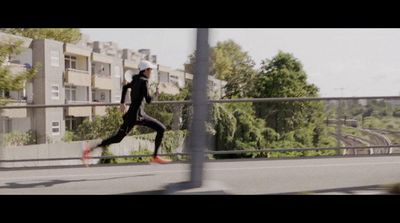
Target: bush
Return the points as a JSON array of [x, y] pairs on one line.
[[372, 122], [106, 152], [145, 159], [170, 142], [165, 112], [285, 154], [100, 127], [68, 136], [19, 138]]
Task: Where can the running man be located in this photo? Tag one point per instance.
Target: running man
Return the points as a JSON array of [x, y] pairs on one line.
[[135, 115]]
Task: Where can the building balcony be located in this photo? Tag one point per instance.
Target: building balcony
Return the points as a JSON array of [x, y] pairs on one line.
[[131, 64], [78, 111], [99, 110], [15, 113], [102, 82], [76, 50], [77, 77], [168, 88], [188, 76], [16, 69], [164, 69], [97, 57]]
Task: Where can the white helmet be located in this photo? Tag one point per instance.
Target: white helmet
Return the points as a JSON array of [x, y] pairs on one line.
[[144, 64]]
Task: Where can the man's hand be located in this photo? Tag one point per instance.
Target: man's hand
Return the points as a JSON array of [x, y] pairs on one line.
[[122, 108]]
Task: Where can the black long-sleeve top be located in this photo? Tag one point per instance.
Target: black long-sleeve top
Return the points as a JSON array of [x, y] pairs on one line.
[[139, 93]]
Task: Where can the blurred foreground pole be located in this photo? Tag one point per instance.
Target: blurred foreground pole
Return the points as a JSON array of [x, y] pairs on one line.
[[197, 143]]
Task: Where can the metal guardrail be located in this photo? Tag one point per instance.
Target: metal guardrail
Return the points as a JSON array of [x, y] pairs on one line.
[[213, 101]]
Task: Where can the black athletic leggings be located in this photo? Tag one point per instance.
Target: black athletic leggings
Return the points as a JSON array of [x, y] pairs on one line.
[[129, 123]]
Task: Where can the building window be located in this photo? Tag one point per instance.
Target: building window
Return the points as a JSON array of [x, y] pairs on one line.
[[55, 58], [70, 93], [87, 94], [68, 124], [5, 125], [4, 93], [93, 68], [164, 77], [70, 62], [174, 79], [94, 96], [117, 99], [117, 72], [72, 123], [55, 92], [55, 128]]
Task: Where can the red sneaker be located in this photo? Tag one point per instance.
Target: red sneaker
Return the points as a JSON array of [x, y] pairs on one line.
[[159, 160], [86, 154]]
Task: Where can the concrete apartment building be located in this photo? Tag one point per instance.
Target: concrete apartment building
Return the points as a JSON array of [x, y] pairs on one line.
[[85, 72]]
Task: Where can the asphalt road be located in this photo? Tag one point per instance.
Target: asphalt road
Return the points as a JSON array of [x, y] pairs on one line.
[[259, 176]]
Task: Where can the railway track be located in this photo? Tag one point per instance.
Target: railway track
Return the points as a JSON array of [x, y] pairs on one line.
[[375, 138]]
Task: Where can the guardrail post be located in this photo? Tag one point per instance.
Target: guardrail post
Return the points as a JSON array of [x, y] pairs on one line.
[[339, 127], [176, 116], [1, 135]]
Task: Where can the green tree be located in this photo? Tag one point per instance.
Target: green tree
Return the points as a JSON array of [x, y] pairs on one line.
[[378, 108], [67, 35], [224, 123], [101, 126], [237, 128], [396, 113], [289, 124], [230, 63], [283, 76], [252, 126], [165, 112], [10, 81]]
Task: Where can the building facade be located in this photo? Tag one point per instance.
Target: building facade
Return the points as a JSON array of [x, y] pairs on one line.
[[85, 72]]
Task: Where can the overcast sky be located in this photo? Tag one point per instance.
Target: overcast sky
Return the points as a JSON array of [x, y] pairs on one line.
[[341, 62]]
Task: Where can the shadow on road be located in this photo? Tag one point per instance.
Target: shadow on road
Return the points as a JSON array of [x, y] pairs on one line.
[[372, 189], [51, 183], [151, 192]]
